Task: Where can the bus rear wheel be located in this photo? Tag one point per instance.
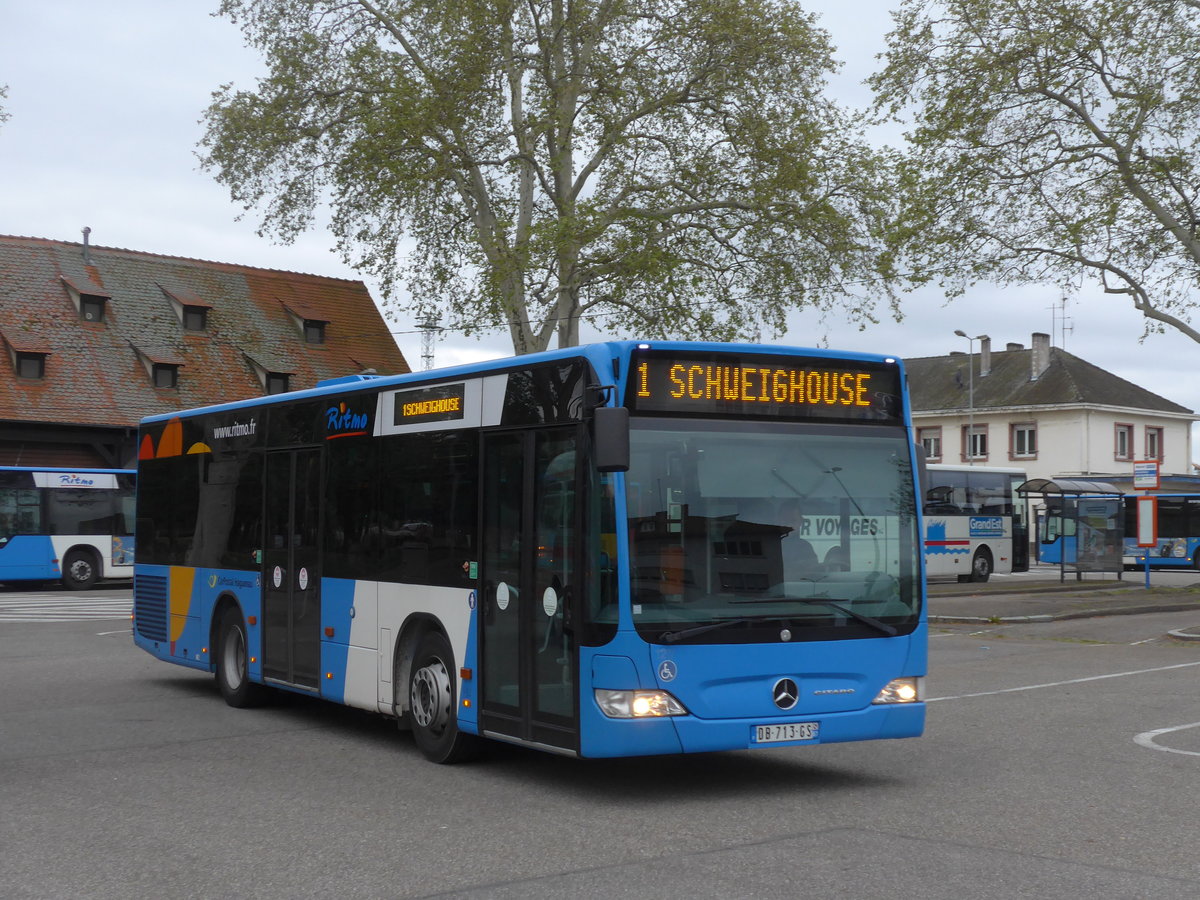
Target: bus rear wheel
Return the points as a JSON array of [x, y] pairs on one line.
[[433, 703], [233, 663], [981, 566], [80, 570]]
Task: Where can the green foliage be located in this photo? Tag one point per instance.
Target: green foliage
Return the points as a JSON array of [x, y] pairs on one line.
[[661, 167], [1051, 140]]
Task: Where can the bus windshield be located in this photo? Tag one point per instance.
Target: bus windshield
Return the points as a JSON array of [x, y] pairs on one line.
[[738, 527]]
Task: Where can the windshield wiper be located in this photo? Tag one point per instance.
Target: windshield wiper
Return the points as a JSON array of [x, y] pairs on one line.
[[889, 630], [672, 637]]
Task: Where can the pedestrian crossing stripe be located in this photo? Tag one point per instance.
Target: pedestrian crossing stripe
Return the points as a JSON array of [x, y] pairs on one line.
[[59, 609]]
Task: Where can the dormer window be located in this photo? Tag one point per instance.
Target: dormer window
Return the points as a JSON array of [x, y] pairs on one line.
[[195, 318], [90, 299], [31, 365], [190, 308], [314, 331], [27, 352], [270, 373], [91, 307], [166, 375], [162, 366], [310, 320]]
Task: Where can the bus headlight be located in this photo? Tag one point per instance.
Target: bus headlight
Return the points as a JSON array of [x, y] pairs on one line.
[[902, 690], [638, 704]]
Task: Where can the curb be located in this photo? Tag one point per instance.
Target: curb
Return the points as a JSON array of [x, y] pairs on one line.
[[956, 592], [1184, 634], [1077, 614]]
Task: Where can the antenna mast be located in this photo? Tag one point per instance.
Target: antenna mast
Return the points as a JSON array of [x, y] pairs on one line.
[[428, 329], [1059, 322]]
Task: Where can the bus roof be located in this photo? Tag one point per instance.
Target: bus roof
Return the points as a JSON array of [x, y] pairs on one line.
[[600, 355]]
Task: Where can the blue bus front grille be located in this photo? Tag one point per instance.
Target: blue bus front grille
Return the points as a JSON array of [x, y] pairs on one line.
[[150, 606]]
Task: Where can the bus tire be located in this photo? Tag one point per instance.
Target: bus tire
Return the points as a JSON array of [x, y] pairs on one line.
[[233, 663], [80, 570], [433, 702], [981, 566], [1196, 560]]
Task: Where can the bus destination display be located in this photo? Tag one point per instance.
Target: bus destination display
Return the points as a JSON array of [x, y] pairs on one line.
[[776, 386], [443, 403]]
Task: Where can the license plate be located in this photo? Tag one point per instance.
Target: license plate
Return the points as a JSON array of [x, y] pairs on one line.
[[787, 731]]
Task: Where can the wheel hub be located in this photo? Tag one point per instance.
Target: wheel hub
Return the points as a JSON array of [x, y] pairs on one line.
[[431, 696]]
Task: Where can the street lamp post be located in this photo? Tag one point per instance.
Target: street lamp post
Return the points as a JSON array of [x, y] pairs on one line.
[[970, 391]]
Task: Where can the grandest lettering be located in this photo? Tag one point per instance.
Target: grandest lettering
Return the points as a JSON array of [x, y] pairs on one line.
[[769, 385]]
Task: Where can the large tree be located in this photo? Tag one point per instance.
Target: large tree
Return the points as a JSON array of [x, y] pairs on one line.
[[1053, 141], [654, 166]]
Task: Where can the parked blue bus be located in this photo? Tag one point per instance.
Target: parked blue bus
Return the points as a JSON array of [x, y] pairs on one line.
[[1177, 529], [68, 525], [612, 550]]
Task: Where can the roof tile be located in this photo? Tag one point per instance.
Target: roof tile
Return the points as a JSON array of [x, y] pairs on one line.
[[94, 376]]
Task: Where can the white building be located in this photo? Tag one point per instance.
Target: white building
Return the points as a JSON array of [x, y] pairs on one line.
[[1049, 412]]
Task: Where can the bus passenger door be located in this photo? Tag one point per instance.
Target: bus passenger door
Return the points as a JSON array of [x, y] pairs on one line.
[[529, 555], [291, 577]]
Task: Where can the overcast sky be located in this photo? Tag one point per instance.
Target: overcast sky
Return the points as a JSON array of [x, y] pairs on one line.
[[105, 101]]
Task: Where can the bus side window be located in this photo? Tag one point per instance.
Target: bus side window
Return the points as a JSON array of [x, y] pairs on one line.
[[937, 500]]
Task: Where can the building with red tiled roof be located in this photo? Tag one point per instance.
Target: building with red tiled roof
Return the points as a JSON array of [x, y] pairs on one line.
[[94, 338]]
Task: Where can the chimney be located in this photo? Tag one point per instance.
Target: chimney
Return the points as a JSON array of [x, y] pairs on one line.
[[1041, 355], [985, 355], [1012, 346], [87, 257]]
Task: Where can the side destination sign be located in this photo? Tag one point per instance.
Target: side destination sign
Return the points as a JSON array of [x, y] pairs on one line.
[[442, 403], [790, 387]]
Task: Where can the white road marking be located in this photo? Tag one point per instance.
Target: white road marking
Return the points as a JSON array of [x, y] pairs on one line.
[[1036, 687], [64, 609], [1146, 739]]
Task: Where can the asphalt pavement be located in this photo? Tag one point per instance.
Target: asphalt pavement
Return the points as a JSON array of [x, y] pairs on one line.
[[1008, 601]]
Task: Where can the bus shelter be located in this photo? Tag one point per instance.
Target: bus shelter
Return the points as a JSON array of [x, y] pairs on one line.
[[1087, 519]]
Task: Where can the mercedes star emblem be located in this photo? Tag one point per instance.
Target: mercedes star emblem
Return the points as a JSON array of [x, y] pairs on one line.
[[785, 693]]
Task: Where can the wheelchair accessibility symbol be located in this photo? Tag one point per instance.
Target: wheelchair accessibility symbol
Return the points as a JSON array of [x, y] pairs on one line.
[[667, 671]]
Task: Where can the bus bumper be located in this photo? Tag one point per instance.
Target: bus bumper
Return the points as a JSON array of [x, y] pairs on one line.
[[689, 734]]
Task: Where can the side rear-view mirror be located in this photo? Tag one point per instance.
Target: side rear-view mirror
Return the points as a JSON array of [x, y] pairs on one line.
[[610, 438]]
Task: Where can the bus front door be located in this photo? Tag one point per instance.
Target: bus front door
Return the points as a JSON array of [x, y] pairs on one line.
[[529, 558], [291, 577]]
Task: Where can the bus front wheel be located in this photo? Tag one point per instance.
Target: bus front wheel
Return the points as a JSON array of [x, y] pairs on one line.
[[433, 703], [80, 570], [233, 669]]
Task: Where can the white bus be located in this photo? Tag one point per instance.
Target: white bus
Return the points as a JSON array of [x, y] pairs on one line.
[[975, 523], [68, 525]]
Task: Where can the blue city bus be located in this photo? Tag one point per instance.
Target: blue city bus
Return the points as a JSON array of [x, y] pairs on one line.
[[612, 550], [68, 525], [1177, 529]]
